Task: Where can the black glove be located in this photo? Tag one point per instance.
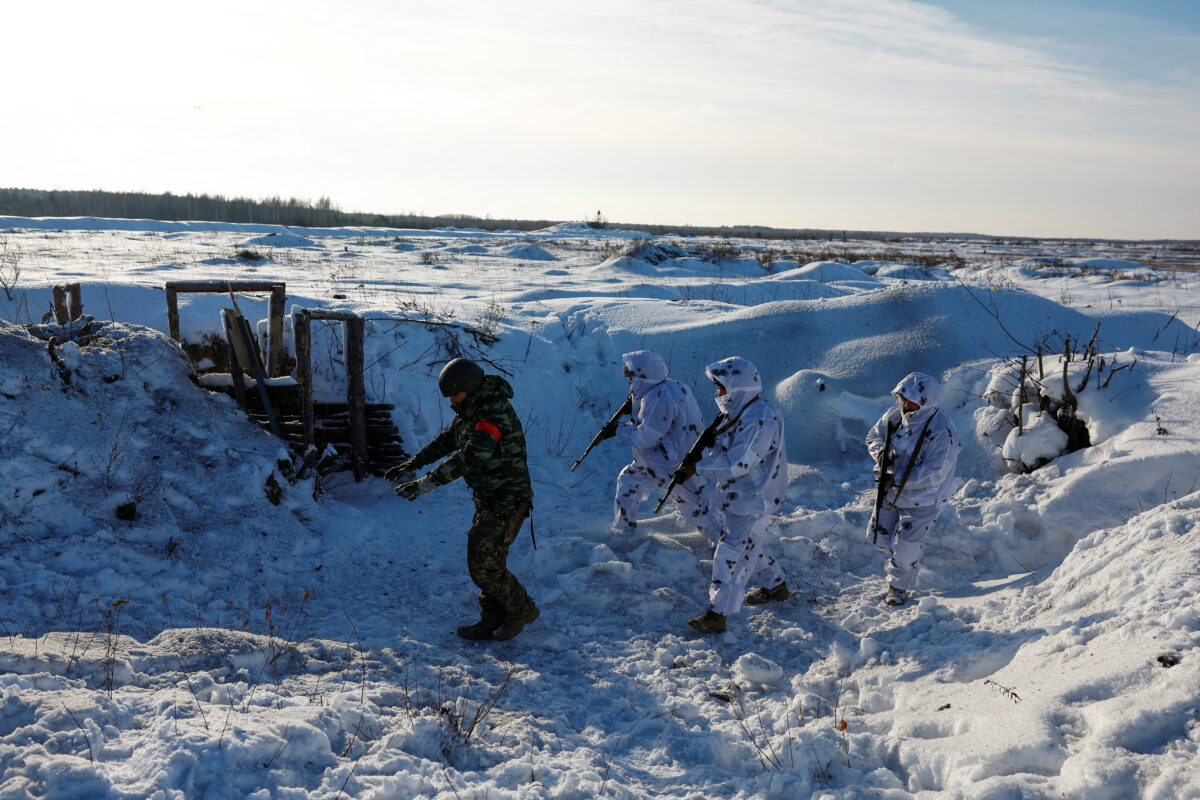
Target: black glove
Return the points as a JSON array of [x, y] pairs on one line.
[[686, 471], [708, 438], [887, 481], [414, 489], [400, 473]]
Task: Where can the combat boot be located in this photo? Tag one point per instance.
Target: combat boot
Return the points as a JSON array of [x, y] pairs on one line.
[[515, 624], [895, 597], [478, 631], [490, 617], [761, 595], [709, 622]]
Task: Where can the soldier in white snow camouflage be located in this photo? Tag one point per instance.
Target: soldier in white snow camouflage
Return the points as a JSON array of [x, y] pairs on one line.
[[748, 462], [920, 482], [664, 422]]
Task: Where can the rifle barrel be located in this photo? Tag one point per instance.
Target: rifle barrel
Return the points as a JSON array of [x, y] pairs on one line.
[[621, 411]]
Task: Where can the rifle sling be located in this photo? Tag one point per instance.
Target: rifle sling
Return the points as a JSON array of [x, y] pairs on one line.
[[912, 461], [724, 428]]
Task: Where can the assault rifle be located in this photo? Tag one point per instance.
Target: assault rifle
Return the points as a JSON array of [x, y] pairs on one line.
[[608, 430], [693, 455], [885, 481]]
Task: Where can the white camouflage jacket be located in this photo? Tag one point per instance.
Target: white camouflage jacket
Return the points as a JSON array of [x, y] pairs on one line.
[[748, 461], [665, 417], [932, 478]]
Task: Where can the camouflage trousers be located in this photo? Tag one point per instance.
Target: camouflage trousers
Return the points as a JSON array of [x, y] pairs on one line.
[[492, 532], [742, 555], [900, 532], [637, 482]]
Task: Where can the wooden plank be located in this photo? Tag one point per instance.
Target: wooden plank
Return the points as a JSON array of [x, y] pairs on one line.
[[245, 357], [235, 368], [260, 377]]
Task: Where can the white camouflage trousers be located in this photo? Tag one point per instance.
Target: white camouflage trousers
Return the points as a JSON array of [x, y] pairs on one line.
[[901, 532], [637, 482], [742, 555]]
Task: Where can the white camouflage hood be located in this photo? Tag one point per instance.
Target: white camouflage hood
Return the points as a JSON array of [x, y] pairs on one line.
[[646, 368], [922, 389], [741, 382]]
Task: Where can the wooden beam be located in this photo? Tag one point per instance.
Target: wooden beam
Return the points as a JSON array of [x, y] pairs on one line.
[[222, 286]]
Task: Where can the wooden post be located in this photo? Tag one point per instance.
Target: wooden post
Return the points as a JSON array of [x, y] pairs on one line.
[[275, 312], [173, 314], [61, 315], [301, 330], [356, 394], [75, 301]]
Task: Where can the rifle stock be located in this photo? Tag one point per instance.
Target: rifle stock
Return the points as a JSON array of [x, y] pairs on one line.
[[693, 455], [625, 408]]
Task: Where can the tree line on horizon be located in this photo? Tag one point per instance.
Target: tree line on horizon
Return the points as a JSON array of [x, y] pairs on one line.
[[324, 213], [169, 207]]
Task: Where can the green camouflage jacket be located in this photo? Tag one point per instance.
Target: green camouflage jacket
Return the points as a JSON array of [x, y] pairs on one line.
[[488, 447]]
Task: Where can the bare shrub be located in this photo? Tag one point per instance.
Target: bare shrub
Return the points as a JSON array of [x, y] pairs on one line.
[[10, 266]]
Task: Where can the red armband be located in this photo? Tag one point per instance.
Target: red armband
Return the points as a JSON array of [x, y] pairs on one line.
[[488, 428]]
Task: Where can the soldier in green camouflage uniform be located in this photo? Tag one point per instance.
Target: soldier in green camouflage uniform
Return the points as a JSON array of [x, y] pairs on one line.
[[486, 448]]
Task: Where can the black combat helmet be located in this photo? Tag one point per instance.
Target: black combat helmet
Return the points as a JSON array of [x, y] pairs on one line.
[[460, 375]]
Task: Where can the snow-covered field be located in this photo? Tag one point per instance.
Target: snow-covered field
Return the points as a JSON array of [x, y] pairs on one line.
[[221, 646]]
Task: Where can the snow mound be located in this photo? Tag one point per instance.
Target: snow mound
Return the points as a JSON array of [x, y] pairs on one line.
[[907, 272], [829, 272], [756, 670], [526, 252], [278, 240], [584, 230]]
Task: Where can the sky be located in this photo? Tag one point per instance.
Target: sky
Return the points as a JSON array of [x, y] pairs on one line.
[[1059, 118]]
